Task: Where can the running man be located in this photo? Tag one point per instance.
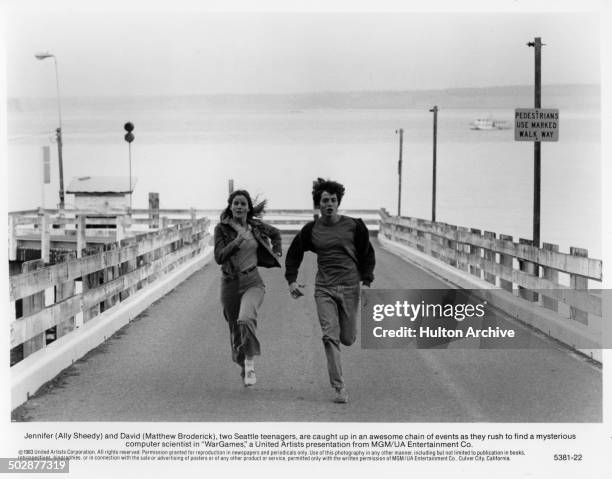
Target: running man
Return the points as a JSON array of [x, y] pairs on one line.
[[345, 258]]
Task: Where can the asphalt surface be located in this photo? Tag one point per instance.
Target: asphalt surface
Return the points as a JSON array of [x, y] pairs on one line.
[[173, 363]]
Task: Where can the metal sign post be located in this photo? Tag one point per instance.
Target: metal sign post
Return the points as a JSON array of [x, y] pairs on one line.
[[129, 137]]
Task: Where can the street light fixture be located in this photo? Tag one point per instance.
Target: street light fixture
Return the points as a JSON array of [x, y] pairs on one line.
[[58, 131]]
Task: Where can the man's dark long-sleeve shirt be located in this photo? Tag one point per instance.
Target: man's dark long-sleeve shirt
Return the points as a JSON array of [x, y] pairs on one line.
[[303, 242]]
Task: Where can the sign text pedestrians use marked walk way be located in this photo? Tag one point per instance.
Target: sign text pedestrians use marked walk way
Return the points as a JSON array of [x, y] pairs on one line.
[[536, 124]]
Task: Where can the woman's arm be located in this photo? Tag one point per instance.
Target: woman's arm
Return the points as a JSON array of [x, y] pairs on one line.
[[224, 246], [275, 238]]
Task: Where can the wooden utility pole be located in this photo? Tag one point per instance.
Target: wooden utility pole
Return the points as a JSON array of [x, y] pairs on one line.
[[537, 165], [61, 167], [434, 110], [399, 172]]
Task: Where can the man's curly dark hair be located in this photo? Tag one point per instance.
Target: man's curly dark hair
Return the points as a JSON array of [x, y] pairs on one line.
[[321, 185]]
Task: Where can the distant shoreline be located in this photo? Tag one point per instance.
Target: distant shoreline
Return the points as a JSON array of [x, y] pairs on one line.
[[557, 96]]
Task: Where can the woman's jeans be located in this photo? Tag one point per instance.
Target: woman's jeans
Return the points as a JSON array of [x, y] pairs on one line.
[[338, 310], [241, 298]]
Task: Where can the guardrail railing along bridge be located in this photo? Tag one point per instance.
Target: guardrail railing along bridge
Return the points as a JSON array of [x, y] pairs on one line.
[[77, 276], [543, 287]]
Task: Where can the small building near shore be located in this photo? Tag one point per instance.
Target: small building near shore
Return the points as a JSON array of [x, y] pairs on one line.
[[101, 193]]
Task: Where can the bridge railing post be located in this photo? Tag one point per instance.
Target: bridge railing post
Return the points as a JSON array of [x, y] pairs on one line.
[[30, 305], [489, 257], [531, 269], [443, 242], [121, 228], [551, 275], [506, 261], [452, 245], [580, 283], [81, 235], [64, 291], [45, 237], [106, 276], [475, 255], [462, 250], [422, 243], [433, 240], [153, 210], [12, 237], [61, 220]]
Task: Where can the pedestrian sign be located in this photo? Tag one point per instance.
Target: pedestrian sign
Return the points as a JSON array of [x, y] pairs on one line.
[[536, 124]]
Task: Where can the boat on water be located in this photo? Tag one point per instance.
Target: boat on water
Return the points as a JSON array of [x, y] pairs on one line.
[[488, 124]]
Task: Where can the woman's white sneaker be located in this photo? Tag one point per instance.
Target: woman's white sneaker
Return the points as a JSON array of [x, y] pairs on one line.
[[249, 377]]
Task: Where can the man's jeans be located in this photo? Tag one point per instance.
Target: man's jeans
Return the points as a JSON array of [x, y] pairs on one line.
[[338, 310]]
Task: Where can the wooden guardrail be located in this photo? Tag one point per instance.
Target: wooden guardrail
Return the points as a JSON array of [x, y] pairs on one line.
[[44, 226], [534, 273], [90, 260], [52, 300]]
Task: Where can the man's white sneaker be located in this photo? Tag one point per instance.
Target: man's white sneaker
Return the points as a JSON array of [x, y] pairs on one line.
[[341, 396]]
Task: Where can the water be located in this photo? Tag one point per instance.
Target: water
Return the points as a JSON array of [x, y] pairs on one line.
[[187, 155]]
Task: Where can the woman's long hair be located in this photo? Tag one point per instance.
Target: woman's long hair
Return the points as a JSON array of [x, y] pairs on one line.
[[254, 211]]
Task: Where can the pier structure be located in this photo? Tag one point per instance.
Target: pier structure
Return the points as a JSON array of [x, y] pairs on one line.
[[96, 272]]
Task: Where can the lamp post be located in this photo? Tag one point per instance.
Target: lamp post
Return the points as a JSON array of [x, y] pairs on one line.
[[434, 110], [58, 131]]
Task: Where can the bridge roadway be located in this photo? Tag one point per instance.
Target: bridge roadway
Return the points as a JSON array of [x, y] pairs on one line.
[[173, 364]]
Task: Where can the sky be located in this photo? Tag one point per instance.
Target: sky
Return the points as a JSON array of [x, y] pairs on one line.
[[152, 51]]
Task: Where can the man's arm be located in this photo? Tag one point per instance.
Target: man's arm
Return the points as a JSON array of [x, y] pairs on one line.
[[365, 253], [293, 260]]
